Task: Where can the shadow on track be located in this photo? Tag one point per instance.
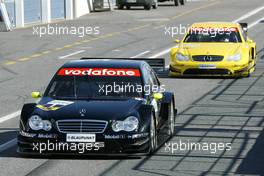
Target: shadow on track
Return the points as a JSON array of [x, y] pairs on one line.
[[231, 112]]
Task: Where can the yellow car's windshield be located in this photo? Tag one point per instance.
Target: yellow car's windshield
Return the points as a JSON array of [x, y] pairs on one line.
[[224, 37]]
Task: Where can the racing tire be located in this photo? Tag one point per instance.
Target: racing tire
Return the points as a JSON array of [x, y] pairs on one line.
[[153, 136], [171, 119], [147, 7], [249, 72], [120, 7], [176, 2], [182, 2], [155, 5]]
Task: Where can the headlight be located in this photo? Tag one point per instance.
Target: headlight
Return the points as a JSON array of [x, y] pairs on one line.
[[181, 57], [47, 125], [129, 124], [36, 123], [235, 57]]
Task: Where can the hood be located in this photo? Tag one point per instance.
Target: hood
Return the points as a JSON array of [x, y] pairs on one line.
[[223, 49], [88, 109]]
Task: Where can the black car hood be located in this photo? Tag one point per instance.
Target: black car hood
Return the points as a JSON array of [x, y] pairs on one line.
[[88, 109]]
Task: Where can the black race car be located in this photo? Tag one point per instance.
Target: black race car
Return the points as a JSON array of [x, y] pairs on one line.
[[99, 106]]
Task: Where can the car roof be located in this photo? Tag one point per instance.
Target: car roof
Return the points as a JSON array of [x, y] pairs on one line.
[[104, 63], [216, 25]]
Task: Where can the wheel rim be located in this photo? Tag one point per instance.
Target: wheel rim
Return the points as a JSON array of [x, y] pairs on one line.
[[171, 120], [153, 136]]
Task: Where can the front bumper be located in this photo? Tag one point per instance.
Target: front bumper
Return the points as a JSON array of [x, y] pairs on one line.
[[209, 69], [121, 144], [133, 3]]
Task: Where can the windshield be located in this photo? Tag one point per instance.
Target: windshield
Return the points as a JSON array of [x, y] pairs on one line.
[[93, 87], [223, 36]]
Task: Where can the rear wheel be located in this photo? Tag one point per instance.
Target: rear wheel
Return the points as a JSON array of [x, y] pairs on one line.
[[153, 136], [182, 2], [176, 2], [120, 7], [128, 7], [155, 5]]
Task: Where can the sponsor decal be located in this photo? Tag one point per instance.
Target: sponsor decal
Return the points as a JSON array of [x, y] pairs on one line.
[[47, 136], [25, 134], [53, 105], [123, 136], [80, 138], [98, 72], [207, 66], [114, 136], [135, 136]]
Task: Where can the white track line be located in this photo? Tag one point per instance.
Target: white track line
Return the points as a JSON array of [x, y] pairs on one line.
[[7, 145], [140, 54], [72, 54], [10, 116], [161, 53], [249, 14], [255, 23]]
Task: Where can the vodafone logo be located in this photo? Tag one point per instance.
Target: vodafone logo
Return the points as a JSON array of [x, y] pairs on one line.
[[98, 72]]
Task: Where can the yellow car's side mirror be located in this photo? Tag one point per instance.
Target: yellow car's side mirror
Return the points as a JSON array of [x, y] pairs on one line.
[[249, 40], [36, 95], [158, 96], [177, 41]]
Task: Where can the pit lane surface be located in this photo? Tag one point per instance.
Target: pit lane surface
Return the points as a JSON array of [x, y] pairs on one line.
[[210, 110]]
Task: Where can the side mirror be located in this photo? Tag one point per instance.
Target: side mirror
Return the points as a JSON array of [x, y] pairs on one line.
[[158, 96], [177, 41], [249, 40], [36, 95]]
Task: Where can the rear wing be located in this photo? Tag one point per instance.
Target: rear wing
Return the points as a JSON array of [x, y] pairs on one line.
[[156, 64], [244, 27]]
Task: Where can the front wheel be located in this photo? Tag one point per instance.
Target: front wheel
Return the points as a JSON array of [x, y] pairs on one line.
[[147, 6], [153, 136], [171, 119], [249, 72], [120, 7], [155, 5]]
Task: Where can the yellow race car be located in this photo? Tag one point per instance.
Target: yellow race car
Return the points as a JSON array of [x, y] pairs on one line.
[[214, 49]]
